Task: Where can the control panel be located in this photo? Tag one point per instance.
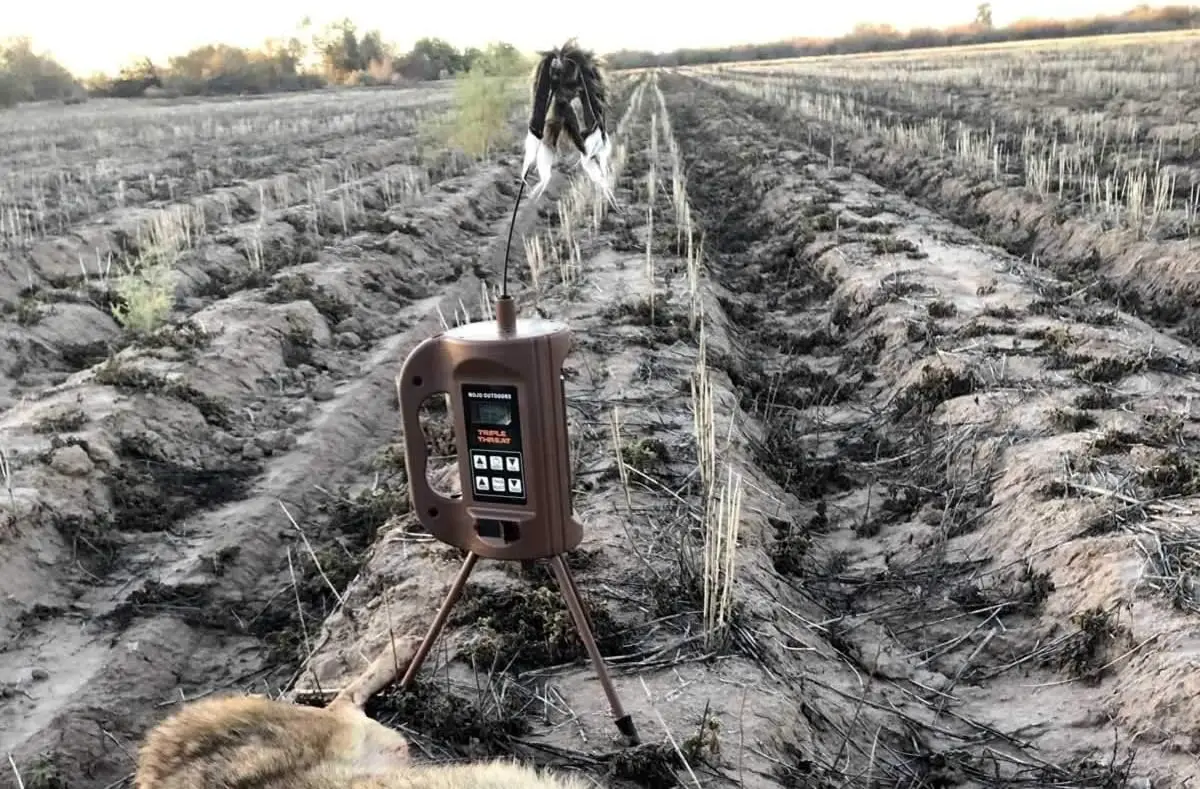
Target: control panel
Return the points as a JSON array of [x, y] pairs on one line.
[[494, 446]]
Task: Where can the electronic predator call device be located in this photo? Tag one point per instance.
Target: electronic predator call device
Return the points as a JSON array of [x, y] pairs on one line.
[[503, 379], [506, 397]]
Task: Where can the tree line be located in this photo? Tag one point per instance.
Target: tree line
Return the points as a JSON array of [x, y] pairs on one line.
[[868, 37], [340, 54], [336, 54]]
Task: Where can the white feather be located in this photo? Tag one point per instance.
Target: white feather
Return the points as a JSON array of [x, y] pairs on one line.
[[597, 143], [592, 168], [595, 162], [531, 149], [545, 169], [599, 176]]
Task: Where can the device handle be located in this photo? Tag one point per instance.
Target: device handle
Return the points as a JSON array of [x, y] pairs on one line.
[[422, 375]]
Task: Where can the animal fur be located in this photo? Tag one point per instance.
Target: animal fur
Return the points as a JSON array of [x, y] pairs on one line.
[[499, 774], [252, 742], [562, 76]]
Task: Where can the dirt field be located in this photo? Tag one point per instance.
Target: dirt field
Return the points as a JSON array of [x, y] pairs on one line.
[[959, 482]]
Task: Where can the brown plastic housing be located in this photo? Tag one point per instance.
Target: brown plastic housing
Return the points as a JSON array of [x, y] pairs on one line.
[[526, 513]]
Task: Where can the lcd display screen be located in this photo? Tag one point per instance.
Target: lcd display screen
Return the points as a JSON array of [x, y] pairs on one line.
[[497, 413]]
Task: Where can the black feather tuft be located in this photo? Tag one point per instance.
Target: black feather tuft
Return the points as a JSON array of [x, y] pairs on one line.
[[561, 76], [593, 90]]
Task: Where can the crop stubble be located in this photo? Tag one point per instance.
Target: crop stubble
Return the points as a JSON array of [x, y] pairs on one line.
[[964, 553], [1079, 155]]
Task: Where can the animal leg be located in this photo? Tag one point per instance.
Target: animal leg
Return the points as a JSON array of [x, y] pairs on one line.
[[371, 746], [365, 745], [386, 669]]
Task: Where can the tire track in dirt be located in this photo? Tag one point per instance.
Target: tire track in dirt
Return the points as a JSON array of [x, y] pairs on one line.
[[148, 557], [989, 499]]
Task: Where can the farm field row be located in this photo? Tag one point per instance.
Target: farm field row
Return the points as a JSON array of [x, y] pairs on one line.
[[223, 194], [120, 163], [868, 500], [1082, 157]]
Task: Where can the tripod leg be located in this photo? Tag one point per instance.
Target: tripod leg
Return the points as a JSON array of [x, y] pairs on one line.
[[587, 615], [439, 620], [566, 585]]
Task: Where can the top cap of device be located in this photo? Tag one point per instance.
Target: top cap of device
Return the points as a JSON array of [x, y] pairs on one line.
[[506, 327]]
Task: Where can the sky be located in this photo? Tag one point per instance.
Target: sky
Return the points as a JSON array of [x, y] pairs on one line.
[[104, 35]]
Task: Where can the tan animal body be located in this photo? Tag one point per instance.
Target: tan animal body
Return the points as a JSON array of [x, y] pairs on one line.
[[252, 742], [472, 775]]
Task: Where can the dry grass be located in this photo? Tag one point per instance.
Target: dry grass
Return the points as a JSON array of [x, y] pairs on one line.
[[720, 499], [146, 293], [722, 521], [7, 478], [486, 112]]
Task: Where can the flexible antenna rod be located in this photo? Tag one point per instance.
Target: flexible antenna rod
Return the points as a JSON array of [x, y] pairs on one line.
[[508, 247]]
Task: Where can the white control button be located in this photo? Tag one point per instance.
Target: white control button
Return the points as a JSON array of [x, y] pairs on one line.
[[481, 483], [497, 463], [514, 486], [481, 461], [514, 463], [498, 484]]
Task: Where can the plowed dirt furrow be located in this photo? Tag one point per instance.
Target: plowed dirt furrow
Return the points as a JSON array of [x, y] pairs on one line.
[[1149, 272], [509, 674], [57, 293], [54, 177], [970, 540]]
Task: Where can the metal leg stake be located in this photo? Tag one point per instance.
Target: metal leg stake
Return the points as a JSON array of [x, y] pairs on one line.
[[566, 585], [587, 615], [439, 620]]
